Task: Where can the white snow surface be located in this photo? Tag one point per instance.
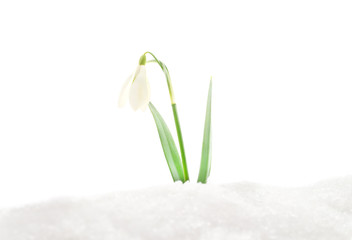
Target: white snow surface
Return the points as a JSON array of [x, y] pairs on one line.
[[238, 211]]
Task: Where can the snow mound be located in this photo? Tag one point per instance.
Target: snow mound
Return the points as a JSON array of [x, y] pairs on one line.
[[240, 211]]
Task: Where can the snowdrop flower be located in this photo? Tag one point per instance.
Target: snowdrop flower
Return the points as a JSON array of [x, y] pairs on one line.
[[136, 88]]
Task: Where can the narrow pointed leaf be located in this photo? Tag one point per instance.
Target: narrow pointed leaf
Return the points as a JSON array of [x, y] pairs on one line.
[[205, 164], [169, 147]]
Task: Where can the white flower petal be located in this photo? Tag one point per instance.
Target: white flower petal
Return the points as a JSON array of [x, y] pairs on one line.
[[138, 69], [146, 102], [140, 90], [125, 91]]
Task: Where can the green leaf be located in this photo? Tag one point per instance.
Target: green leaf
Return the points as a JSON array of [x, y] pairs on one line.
[[167, 142], [205, 164]]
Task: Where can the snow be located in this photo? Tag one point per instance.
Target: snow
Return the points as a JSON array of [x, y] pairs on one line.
[[240, 211]]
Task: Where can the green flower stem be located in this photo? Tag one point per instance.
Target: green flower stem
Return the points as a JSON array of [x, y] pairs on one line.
[[180, 140], [167, 75], [174, 110]]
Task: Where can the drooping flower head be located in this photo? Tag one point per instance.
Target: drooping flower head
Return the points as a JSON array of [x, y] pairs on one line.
[[136, 89]]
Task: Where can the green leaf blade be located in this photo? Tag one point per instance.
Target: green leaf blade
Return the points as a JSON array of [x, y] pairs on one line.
[[169, 147], [205, 164]]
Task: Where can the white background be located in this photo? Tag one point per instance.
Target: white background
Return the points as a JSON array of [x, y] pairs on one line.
[[282, 84]]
